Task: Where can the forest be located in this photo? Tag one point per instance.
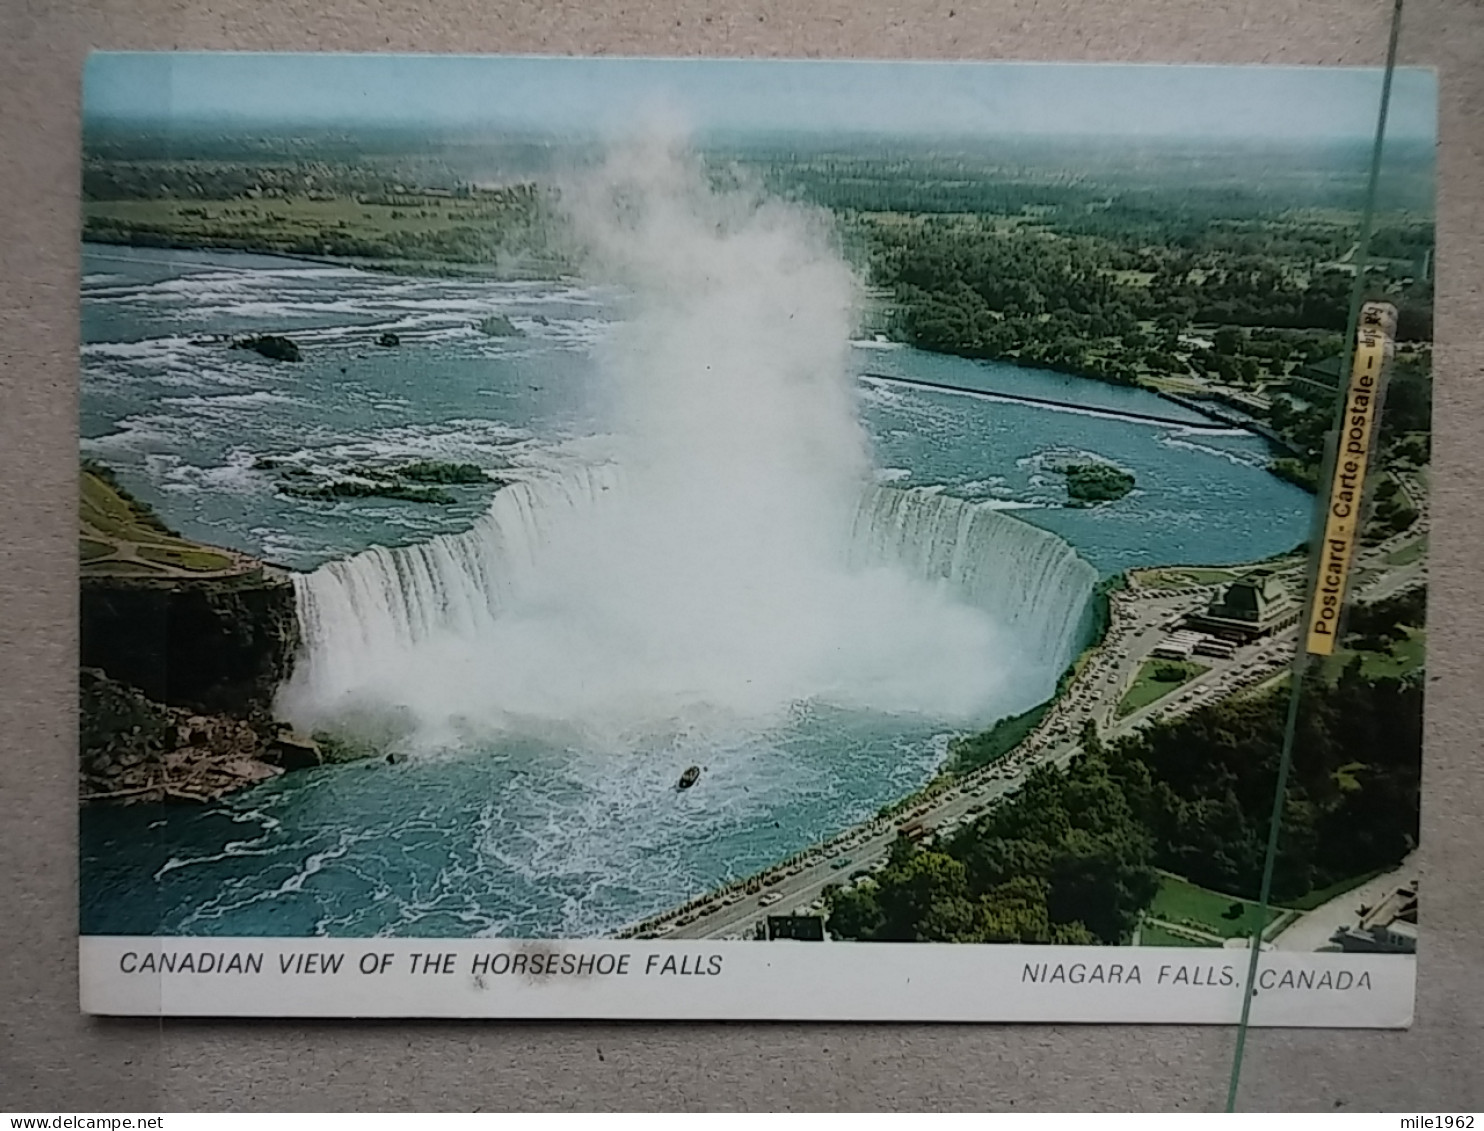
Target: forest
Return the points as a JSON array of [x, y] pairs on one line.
[[1120, 310]]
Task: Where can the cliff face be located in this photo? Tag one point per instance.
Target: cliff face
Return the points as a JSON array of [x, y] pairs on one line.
[[210, 644]]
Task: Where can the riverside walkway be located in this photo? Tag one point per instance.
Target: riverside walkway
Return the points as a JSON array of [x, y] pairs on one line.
[[1050, 402]]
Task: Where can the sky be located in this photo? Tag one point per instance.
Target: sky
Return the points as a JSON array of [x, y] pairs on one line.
[[563, 96]]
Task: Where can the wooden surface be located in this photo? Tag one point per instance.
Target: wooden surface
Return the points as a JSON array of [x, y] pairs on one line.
[[52, 1058]]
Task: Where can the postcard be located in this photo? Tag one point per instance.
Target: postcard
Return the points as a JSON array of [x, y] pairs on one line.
[[700, 538]]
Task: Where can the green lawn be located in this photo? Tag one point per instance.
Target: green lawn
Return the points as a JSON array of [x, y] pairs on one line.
[[91, 548], [1152, 934], [1409, 553], [1149, 688], [107, 512], [1180, 901], [112, 569], [1405, 656], [185, 557], [1181, 578]]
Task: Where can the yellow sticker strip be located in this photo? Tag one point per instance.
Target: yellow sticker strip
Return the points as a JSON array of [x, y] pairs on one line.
[[1343, 518]]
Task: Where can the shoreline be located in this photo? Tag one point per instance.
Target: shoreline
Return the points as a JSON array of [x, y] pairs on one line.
[[949, 800], [1049, 741], [1047, 402], [434, 268]]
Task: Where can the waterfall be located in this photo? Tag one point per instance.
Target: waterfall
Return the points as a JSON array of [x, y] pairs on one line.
[[383, 598], [1028, 579], [932, 603], [355, 611]]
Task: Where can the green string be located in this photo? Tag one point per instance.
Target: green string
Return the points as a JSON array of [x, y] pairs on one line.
[[1301, 656]]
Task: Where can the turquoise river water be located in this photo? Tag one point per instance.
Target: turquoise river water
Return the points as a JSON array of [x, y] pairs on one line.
[[537, 797]]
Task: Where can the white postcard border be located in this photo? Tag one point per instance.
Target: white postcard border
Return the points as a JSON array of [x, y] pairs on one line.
[[777, 981]]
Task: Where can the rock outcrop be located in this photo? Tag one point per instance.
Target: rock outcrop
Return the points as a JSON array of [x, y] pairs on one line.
[[498, 326], [211, 645], [290, 751], [135, 750], [182, 651], [275, 347]]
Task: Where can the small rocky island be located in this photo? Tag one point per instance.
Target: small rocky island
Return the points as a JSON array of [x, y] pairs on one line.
[[1092, 483], [275, 347], [423, 481], [498, 326]]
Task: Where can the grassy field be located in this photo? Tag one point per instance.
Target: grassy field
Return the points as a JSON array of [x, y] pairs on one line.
[[185, 557], [110, 514], [1409, 553], [1180, 901], [1183, 578], [125, 569], [1405, 656], [1152, 934], [107, 517], [1149, 688], [291, 216], [475, 230]]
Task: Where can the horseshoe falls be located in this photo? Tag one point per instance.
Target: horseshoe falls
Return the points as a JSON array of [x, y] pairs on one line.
[[1028, 579], [929, 606]]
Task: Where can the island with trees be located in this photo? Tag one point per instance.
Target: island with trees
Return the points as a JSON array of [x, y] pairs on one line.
[[1089, 483]]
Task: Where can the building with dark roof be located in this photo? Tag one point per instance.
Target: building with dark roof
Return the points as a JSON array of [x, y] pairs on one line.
[[1390, 927], [1253, 606]]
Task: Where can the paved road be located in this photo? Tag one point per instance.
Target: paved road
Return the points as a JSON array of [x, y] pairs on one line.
[[1312, 930], [1376, 578]]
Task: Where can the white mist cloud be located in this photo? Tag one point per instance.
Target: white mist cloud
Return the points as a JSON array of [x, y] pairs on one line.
[[709, 582]]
